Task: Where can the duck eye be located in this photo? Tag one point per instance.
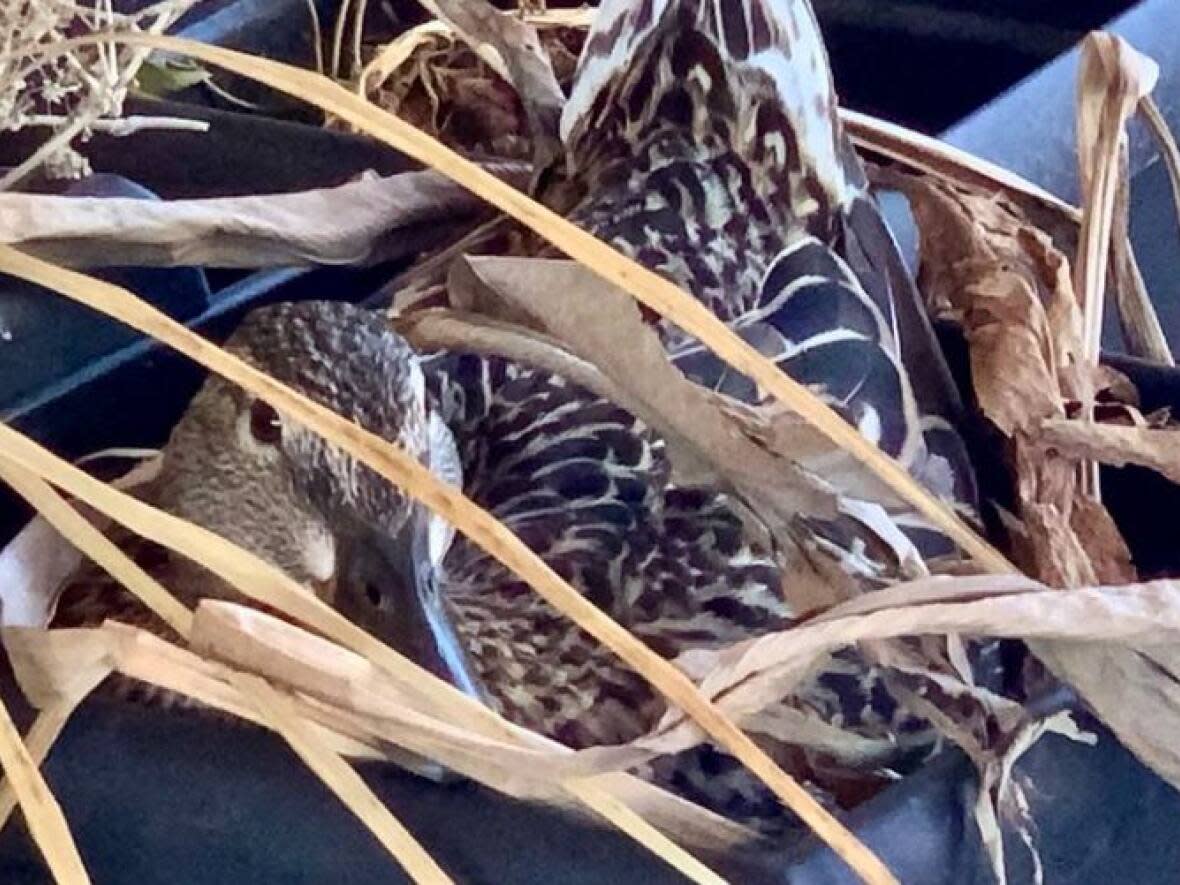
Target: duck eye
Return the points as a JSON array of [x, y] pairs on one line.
[[265, 425]]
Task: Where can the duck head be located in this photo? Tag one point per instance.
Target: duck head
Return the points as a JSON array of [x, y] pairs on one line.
[[237, 467]]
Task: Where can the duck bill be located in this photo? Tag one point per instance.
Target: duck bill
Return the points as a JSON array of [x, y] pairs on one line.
[[389, 586]]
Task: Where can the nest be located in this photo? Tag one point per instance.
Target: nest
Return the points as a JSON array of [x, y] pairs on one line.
[[1022, 276]]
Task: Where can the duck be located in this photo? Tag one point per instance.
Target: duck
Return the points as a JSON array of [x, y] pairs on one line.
[[701, 139]]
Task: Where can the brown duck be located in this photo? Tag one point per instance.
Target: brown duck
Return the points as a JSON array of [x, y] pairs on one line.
[[701, 139]]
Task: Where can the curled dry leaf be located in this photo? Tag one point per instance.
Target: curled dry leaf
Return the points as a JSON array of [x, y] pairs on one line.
[[922, 153], [1135, 619], [565, 300], [365, 221], [1128, 627], [1002, 280], [356, 708]]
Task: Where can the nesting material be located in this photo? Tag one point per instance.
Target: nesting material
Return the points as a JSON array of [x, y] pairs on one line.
[[1028, 310]]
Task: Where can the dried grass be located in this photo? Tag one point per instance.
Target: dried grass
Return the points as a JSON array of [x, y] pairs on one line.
[[313, 695]]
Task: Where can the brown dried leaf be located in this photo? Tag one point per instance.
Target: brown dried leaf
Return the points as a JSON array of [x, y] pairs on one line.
[[1107, 623], [922, 153], [1050, 548], [1105, 546], [1003, 282], [38, 561], [1001, 278], [1113, 444]]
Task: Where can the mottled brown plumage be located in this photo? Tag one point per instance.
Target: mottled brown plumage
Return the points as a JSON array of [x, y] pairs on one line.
[[701, 139]]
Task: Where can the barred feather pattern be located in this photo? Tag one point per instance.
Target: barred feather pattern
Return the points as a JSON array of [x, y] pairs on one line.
[[586, 486], [702, 140]]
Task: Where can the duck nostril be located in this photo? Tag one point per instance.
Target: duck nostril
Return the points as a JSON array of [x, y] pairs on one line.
[[373, 594]]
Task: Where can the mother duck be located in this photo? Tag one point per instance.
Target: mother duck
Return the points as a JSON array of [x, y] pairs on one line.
[[701, 139]]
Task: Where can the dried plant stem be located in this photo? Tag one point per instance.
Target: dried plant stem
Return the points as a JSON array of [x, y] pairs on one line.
[[342, 780], [646, 286], [1112, 80], [338, 38], [43, 733], [317, 36], [1094, 253], [927, 154], [42, 813], [1141, 327], [121, 126], [358, 34], [395, 53], [52, 144]]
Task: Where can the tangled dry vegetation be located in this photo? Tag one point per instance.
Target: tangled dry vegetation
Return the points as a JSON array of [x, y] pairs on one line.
[[1022, 276]]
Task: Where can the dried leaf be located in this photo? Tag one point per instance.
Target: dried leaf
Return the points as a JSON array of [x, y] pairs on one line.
[[59, 666], [1114, 444], [1105, 545], [307, 664], [564, 300], [922, 153], [71, 524], [757, 456], [1167, 143], [1128, 621], [39, 739], [1003, 281], [366, 221], [36, 563], [1131, 691], [43, 815]]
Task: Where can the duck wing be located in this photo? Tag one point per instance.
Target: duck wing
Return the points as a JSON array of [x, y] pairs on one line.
[[586, 486], [703, 140]]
